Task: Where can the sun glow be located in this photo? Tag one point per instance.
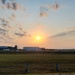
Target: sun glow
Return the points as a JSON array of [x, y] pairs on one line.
[[38, 38]]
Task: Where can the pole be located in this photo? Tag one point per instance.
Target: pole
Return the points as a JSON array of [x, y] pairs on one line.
[[26, 68], [57, 67]]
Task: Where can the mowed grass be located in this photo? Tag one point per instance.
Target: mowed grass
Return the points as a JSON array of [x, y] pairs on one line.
[[36, 58], [37, 63], [47, 74]]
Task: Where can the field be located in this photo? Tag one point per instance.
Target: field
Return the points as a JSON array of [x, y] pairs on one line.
[[36, 63]]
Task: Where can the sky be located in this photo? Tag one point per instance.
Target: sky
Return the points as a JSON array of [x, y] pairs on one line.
[[21, 21]]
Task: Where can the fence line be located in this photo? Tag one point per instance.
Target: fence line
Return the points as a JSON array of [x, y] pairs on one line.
[[37, 68]]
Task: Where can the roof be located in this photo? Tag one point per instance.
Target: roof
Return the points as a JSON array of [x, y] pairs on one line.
[[3, 46]]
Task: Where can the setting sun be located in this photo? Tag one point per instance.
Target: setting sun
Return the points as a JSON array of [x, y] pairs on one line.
[[38, 38]]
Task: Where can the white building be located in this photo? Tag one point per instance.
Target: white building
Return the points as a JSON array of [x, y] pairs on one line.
[[31, 48]]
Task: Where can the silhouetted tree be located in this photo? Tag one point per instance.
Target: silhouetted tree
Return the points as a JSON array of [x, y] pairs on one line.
[[15, 47]]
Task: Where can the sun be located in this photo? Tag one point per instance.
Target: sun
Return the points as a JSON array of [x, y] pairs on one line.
[[38, 38]]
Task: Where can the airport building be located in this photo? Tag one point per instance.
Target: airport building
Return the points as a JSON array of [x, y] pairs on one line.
[[8, 48], [31, 49]]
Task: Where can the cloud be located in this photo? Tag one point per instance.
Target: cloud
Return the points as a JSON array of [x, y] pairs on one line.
[[4, 39], [59, 35], [14, 5], [20, 34], [11, 4], [8, 37], [3, 31], [21, 30], [43, 12], [44, 9], [3, 1], [9, 21], [55, 6], [5, 23], [63, 34], [8, 5]]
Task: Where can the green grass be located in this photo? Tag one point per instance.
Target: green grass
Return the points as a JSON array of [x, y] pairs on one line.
[[36, 58], [72, 73], [37, 63]]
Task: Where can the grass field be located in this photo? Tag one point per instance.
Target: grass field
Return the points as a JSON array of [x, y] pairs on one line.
[[37, 63], [46, 74]]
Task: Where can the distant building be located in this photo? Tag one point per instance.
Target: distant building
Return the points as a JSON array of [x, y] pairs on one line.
[[31, 48], [8, 48], [3, 47]]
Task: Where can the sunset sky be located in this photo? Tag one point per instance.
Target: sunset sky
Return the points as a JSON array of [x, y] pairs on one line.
[[43, 23]]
